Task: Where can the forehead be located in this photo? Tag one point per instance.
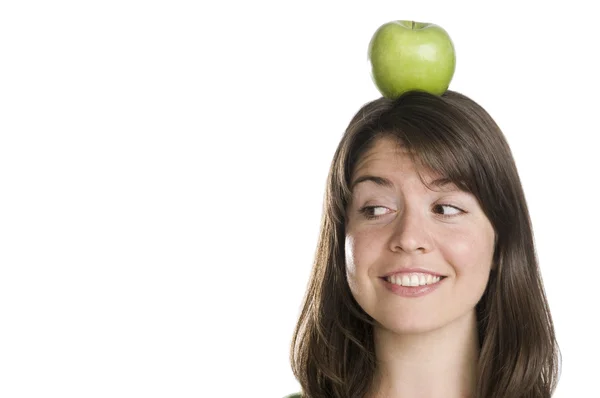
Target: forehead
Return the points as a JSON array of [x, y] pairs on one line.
[[386, 154], [389, 161]]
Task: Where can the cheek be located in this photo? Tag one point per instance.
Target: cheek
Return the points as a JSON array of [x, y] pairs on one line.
[[350, 253], [360, 253], [469, 252]]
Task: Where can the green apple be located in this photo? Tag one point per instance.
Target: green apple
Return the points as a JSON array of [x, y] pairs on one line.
[[408, 55]]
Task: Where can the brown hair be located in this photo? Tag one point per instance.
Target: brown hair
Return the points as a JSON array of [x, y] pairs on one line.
[[332, 351]]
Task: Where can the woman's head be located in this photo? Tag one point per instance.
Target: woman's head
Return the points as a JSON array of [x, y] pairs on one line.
[[400, 230], [446, 197]]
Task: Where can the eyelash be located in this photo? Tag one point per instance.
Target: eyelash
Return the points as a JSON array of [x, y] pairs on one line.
[[364, 211]]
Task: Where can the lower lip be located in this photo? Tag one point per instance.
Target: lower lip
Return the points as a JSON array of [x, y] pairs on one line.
[[411, 291]]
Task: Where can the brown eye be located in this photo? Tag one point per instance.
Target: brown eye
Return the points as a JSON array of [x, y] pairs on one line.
[[455, 210], [372, 212]]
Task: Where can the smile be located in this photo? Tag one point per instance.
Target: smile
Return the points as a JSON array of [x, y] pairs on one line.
[[414, 279], [413, 284]]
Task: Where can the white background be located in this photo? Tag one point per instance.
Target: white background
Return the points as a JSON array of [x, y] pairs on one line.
[[162, 166]]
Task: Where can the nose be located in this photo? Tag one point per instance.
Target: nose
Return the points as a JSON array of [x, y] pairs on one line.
[[410, 232]]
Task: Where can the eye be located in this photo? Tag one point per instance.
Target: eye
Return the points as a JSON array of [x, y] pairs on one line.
[[455, 210], [373, 212]]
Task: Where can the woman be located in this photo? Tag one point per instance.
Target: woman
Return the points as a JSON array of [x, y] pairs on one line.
[[425, 281]]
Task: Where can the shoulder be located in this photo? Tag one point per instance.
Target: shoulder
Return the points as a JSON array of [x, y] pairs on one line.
[[295, 395]]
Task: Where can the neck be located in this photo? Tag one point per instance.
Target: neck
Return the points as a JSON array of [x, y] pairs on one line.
[[438, 363]]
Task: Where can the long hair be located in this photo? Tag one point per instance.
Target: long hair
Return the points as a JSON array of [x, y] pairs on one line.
[[332, 351]]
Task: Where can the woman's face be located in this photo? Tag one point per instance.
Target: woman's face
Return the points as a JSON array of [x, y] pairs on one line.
[[395, 223]]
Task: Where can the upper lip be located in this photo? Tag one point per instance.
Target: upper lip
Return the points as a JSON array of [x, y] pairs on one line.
[[408, 270]]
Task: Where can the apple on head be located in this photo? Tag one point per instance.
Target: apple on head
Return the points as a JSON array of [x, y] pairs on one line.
[[408, 55]]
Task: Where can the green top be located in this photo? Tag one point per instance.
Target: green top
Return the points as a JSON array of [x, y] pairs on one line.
[[296, 395]]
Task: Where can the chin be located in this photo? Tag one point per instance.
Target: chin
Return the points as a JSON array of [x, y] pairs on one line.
[[409, 326]]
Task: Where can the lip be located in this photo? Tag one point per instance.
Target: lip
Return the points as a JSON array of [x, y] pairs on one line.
[[411, 291], [409, 270]]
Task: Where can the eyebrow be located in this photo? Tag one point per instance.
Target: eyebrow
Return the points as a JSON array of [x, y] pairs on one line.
[[387, 183], [381, 181]]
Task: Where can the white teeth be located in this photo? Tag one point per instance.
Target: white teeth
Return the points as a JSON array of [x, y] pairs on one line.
[[406, 280], [414, 279]]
